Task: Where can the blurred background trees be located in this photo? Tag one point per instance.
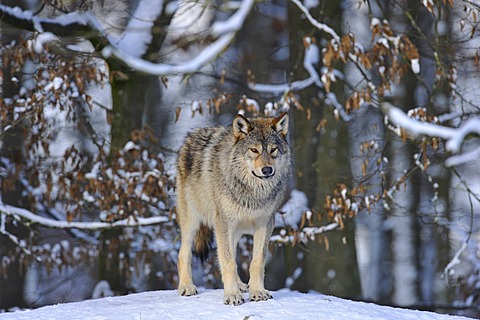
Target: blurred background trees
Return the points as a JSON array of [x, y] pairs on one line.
[[96, 98]]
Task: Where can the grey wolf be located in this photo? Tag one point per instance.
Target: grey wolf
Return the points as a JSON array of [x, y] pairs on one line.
[[232, 180]]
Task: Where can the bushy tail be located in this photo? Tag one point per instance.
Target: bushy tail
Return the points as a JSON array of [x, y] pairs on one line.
[[203, 242]]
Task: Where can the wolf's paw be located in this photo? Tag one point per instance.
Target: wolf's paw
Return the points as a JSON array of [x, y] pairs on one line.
[[189, 290], [259, 295], [242, 286], [233, 299]]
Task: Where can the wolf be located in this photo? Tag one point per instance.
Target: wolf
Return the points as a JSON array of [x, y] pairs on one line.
[[233, 180]]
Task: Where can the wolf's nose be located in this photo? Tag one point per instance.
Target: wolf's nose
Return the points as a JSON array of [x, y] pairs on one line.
[[267, 171]]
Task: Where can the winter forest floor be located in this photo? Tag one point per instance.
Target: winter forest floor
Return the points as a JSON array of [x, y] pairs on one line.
[[209, 305]]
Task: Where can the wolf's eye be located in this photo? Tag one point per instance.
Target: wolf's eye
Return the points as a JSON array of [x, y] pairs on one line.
[[273, 150], [254, 150]]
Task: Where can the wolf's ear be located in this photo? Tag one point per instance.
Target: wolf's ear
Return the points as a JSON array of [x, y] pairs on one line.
[[280, 124], [241, 126]]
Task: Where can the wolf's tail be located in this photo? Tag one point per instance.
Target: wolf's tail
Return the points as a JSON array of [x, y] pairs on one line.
[[203, 242]]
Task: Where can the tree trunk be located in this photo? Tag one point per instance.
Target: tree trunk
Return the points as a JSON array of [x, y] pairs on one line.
[[371, 239]]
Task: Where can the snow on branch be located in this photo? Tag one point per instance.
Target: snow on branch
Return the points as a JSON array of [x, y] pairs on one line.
[[305, 234], [315, 23], [224, 32], [235, 22], [311, 58], [454, 137], [138, 34], [14, 239], [32, 218], [449, 269], [73, 23], [207, 55]]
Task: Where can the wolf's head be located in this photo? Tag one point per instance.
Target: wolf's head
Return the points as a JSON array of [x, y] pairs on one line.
[[263, 145]]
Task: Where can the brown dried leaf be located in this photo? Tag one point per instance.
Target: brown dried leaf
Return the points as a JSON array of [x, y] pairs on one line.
[[164, 81], [326, 242], [302, 222], [222, 76], [340, 222], [346, 44], [218, 101], [330, 55]]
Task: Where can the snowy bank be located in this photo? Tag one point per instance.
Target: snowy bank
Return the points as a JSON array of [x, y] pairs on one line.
[[209, 305]]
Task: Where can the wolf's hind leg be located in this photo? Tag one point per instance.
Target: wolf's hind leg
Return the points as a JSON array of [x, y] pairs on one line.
[[188, 230]]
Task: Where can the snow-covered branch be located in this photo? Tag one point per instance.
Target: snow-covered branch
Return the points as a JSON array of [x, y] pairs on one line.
[[315, 23], [138, 33], [225, 31], [14, 239], [73, 23], [307, 233], [312, 56], [32, 218], [207, 55], [454, 137], [455, 261], [123, 48]]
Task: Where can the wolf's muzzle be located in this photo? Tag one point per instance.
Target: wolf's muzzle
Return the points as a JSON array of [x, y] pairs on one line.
[[267, 172]]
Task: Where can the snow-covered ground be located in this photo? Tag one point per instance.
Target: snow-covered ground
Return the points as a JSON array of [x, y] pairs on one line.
[[209, 305]]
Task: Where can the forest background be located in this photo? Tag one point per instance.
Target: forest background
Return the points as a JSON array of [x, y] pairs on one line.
[[97, 96]]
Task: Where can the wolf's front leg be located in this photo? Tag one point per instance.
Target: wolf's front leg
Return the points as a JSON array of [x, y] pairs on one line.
[[224, 233], [261, 238]]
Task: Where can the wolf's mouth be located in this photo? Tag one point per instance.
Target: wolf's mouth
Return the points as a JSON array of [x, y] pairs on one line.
[[263, 177]]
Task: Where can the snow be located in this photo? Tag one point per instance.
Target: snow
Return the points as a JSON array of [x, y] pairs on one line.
[[315, 23], [42, 39], [454, 136], [35, 218], [208, 304], [312, 56], [331, 99], [102, 289], [455, 260], [375, 22], [415, 66], [138, 34], [235, 22], [225, 31], [131, 45], [310, 4], [55, 84], [208, 54], [293, 210]]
